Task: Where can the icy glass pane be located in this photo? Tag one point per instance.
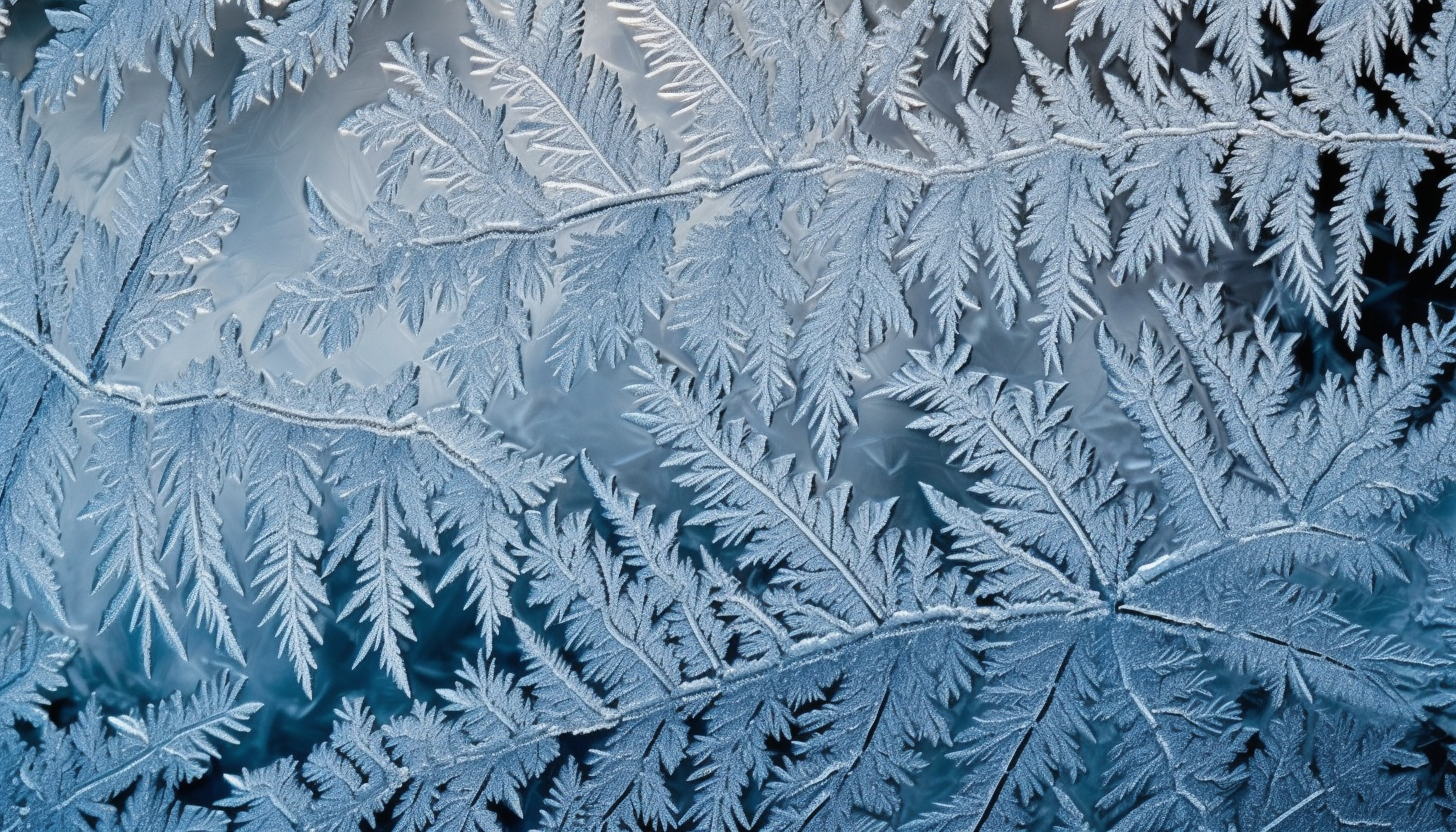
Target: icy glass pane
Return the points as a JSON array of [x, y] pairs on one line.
[[718, 415]]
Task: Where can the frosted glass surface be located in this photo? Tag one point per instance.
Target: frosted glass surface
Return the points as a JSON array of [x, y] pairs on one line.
[[709, 415]]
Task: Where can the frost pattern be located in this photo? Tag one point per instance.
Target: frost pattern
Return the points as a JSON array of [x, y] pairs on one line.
[[769, 131], [1055, 646]]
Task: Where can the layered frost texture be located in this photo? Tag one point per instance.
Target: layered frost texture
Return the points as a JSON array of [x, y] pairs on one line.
[[727, 415]]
